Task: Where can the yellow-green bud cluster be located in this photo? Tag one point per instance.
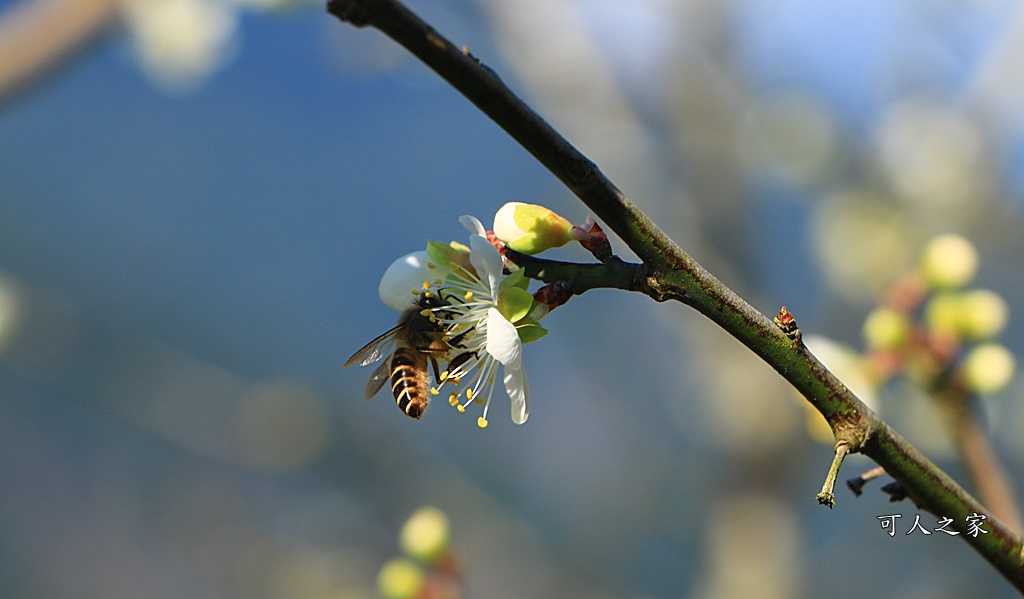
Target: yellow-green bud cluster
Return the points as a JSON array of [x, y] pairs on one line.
[[956, 326], [424, 539], [974, 315]]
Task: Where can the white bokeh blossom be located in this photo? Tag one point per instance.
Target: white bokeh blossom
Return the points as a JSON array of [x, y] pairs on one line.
[[181, 42]]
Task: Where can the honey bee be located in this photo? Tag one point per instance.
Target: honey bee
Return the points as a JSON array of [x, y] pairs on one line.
[[416, 340]]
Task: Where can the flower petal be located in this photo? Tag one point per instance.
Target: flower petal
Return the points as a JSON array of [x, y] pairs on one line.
[[502, 339], [401, 278], [486, 259], [473, 224], [518, 389]]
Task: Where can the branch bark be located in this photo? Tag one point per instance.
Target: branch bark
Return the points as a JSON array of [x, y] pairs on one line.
[[671, 274]]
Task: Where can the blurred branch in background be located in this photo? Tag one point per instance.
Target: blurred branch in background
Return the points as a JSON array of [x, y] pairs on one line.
[[37, 35], [672, 274]]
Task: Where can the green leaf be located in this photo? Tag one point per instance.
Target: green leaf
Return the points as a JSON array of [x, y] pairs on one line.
[[516, 279], [528, 333], [515, 303]]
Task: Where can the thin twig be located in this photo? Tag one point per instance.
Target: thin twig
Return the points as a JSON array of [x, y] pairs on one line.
[[856, 485], [827, 495], [673, 275]]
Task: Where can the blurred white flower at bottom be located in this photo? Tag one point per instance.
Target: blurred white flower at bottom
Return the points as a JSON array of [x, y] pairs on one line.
[[180, 42]]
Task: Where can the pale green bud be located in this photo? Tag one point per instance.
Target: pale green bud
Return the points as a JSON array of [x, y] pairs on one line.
[[949, 261], [400, 579], [425, 535], [885, 328], [983, 314], [988, 368], [530, 229]]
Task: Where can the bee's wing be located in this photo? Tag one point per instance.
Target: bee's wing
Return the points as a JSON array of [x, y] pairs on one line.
[[374, 350], [380, 374]]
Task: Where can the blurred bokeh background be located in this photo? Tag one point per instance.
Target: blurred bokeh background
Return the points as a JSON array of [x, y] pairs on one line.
[[197, 199]]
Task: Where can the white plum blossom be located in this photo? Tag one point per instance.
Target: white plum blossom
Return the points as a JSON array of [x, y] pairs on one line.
[[484, 340], [489, 339]]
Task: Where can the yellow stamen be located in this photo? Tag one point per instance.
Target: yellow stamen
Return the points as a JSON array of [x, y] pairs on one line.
[[453, 399], [468, 296], [478, 400], [428, 293], [426, 285], [469, 394], [444, 376], [482, 422], [416, 293], [438, 281], [431, 265], [434, 391], [462, 408]]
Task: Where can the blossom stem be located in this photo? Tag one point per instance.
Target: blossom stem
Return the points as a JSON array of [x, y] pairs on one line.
[[613, 273]]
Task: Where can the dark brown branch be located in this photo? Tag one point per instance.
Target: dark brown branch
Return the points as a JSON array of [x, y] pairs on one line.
[[672, 274]]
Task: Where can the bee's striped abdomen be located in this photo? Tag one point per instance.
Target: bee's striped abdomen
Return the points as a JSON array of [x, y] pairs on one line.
[[409, 382]]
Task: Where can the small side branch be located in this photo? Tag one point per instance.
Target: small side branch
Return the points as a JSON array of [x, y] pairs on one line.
[[856, 485], [827, 495]]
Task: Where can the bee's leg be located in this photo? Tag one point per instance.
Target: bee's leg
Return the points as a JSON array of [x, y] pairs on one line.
[[437, 372], [456, 341], [459, 360]]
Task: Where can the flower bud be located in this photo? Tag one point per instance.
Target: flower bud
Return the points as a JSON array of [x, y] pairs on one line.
[[988, 368], [983, 314], [593, 238], [403, 279], [885, 328], [425, 535], [531, 229], [942, 313], [400, 579], [949, 261]]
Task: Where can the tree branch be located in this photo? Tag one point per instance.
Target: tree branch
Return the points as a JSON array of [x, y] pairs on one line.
[[673, 275]]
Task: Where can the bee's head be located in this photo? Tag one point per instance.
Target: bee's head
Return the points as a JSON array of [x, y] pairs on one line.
[[431, 299]]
